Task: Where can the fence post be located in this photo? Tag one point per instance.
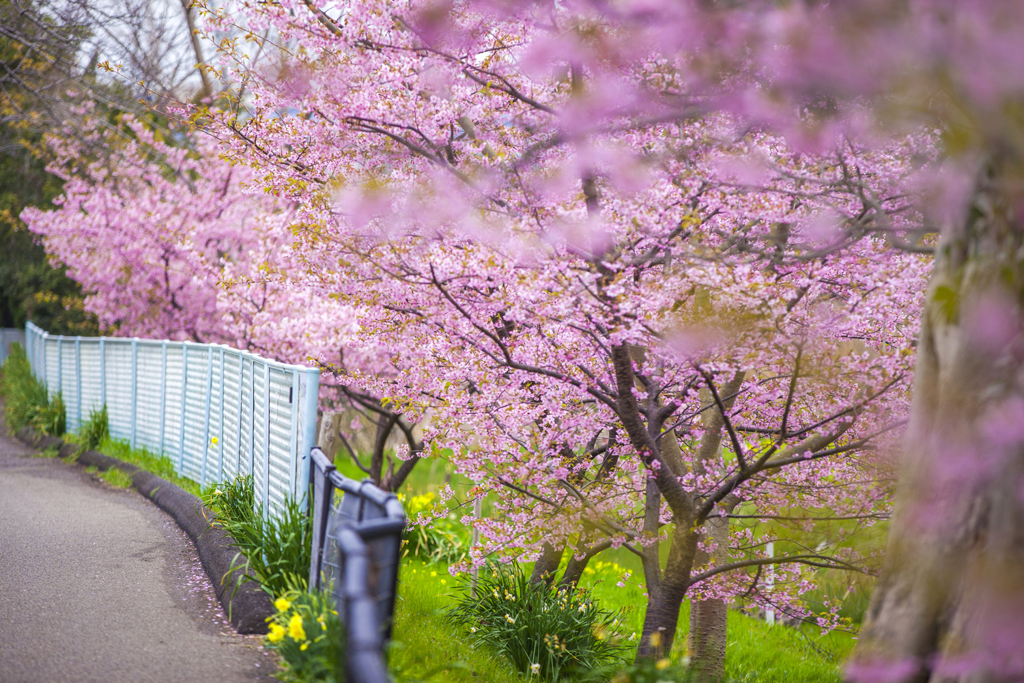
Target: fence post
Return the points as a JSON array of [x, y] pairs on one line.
[[163, 394], [252, 420], [293, 441], [266, 440], [310, 401], [42, 353], [60, 365], [78, 382], [181, 425], [220, 438], [103, 370], [206, 418], [769, 614], [238, 440], [135, 388]]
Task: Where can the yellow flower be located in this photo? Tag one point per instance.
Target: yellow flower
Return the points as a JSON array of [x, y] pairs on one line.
[[282, 604], [304, 646], [213, 441], [295, 629], [276, 633], [662, 664]]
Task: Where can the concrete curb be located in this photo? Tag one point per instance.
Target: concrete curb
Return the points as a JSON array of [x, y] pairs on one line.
[[245, 603]]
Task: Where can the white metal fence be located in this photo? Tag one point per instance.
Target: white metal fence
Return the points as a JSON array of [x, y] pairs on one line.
[[215, 411], [9, 336]]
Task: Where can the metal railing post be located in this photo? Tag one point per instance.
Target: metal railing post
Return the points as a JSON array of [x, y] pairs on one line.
[[163, 394], [252, 420], [184, 390], [293, 440], [310, 401], [60, 365], [42, 354], [78, 382], [220, 438], [266, 440], [103, 371], [206, 418], [238, 440], [135, 389]]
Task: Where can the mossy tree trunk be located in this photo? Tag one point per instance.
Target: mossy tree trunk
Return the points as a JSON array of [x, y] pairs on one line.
[[949, 605]]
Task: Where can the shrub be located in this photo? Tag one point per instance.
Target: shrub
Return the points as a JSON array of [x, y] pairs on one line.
[[28, 403], [277, 548], [556, 634], [308, 635]]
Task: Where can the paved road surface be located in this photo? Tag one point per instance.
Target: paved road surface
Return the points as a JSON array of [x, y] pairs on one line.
[[97, 584]]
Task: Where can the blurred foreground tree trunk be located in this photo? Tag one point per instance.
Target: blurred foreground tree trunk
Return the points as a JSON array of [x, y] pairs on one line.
[[949, 605]]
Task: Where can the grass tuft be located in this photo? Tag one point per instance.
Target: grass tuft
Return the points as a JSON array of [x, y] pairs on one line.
[[278, 547], [117, 478]]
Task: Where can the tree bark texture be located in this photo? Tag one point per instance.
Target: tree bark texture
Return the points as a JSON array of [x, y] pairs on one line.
[[949, 605], [328, 439], [546, 567], [709, 618], [708, 634], [666, 594]]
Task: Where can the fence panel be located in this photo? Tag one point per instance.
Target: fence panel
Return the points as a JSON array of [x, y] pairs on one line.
[[92, 398], [148, 395], [214, 411]]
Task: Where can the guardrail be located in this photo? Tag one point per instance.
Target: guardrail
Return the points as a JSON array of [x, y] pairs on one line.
[[9, 336], [356, 546], [215, 411]]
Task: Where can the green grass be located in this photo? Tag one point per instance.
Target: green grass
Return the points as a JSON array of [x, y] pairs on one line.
[[756, 652], [426, 647], [27, 401], [117, 478], [160, 465]]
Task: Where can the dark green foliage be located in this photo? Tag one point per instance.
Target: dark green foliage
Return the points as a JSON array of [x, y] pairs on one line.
[[27, 402], [556, 634], [31, 288], [277, 547]]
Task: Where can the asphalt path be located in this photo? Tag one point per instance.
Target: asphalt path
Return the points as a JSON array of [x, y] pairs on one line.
[[98, 584]]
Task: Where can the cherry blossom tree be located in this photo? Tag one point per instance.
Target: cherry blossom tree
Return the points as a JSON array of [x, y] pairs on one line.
[[171, 241], [562, 249]]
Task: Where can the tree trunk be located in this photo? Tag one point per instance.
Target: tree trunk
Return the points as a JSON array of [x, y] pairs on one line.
[[709, 618], [547, 565], [328, 439], [949, 605], [666, 594]]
